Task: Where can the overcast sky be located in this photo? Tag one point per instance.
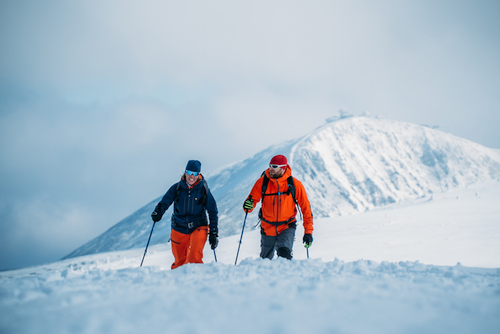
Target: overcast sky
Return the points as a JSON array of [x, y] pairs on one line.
[[103, 102]]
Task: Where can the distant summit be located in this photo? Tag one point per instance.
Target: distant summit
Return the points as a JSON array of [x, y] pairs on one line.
[[348, 165]]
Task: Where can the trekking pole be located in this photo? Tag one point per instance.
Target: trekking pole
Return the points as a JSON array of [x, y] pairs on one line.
[[215, 256], [241, 237], [150, 234], [307, 252], [243, 229]]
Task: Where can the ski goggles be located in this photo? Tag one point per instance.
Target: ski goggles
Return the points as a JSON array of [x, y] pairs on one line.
[[276, 166], [188, 172]]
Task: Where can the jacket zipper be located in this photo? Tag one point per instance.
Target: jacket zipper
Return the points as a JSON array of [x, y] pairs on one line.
[[189, 206], [277, 205]]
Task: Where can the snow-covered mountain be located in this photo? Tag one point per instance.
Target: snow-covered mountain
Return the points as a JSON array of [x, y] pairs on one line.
[[348, 165]]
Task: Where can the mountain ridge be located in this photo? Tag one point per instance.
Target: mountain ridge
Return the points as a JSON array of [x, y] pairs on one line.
[[347, 165]]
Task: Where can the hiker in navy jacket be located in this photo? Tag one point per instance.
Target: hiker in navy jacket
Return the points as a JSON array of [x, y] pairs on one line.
[[192, 200]]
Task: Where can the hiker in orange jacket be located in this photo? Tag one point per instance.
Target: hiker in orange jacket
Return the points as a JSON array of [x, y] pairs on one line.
[[278, 212]]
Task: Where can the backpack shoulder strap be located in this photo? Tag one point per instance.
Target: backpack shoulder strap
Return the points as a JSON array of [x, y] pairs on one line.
[[265, 182], [204, 196], [177, 191], [291, 187]]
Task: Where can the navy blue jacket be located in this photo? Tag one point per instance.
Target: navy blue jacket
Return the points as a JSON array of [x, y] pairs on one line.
[[191, 206]]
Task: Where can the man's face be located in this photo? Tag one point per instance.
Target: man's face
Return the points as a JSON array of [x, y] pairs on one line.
[[276, 172]]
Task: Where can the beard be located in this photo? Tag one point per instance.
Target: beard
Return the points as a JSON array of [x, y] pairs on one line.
[[276, 174]]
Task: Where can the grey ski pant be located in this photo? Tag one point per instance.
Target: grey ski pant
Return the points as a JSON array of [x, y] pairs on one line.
[[282, 243]]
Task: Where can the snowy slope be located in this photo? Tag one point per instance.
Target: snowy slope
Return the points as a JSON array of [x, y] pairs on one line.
[[391, 270], [348, 166]]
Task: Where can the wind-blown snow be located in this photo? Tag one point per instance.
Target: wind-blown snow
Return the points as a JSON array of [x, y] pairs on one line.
[[348, 166], [390, 270]]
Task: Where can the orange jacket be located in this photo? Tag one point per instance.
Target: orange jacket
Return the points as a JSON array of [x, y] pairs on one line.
[[281, 208]]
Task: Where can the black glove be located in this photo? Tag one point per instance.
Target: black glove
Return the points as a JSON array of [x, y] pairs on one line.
[[156, 215], [307, 240], [213, 240], [248, 204]]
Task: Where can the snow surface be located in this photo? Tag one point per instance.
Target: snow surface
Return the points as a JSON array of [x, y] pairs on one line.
[[348, 166], [390, 270]]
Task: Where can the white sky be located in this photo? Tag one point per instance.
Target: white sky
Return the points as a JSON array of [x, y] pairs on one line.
[[103, 102]]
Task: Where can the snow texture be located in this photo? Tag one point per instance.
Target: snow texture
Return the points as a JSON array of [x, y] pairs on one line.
[[348, 166], [389, 270]]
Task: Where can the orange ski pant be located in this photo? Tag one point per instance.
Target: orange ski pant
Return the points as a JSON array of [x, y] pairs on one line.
[[188, 248]]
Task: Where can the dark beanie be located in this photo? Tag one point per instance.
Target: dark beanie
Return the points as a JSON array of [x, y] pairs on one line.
[[279, 160], [194, 166]]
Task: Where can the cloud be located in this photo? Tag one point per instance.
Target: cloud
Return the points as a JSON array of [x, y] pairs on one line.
[[38, 231]]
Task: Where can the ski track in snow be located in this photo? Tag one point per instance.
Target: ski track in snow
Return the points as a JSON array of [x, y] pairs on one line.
[[375, 272]]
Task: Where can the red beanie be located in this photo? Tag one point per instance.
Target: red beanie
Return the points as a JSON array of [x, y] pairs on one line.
[[278, 160]]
